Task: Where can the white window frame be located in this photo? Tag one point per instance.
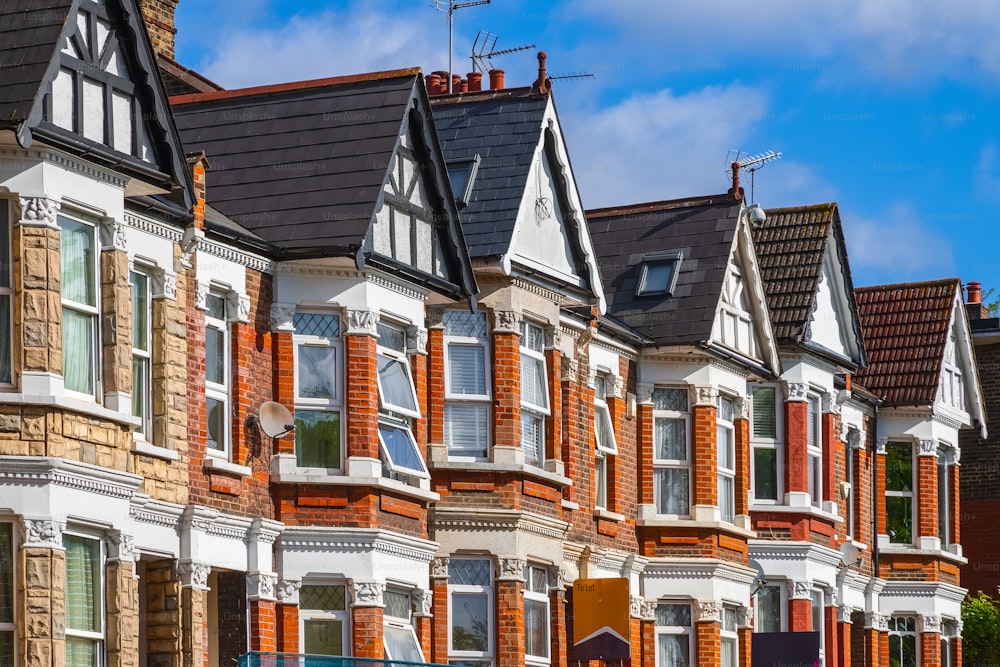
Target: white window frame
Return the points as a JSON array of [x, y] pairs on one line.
[[603, 450], [93, 313], [7, 292], [775, 444], [729, 632], [342, 615], [674, 464], [487, 656], [945, 462], [782, 593], [398, 467], [853, 435], [951, 382], [100, 589], [401, 359], [541, 597], [735, 319], [911, 494], [818, 595], [214, 390], [894, 620], [949, 633], [728, 513], [533, 411], [332, 405], [814, 449], [145, 357], [451, 398], [677, 630], [399, 623], [12, 556]]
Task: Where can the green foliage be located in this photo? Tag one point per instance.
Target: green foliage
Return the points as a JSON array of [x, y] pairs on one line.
[[980, 630], [994, 305]]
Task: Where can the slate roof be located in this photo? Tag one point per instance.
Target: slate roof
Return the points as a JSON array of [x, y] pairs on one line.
[[702, 228], [504, 127], [301, 165], [29, 37], [905, 328]]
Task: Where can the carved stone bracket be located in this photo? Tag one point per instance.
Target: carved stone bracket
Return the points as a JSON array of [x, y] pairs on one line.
[[800, 590], [635, 606], [362, 323], [261, 585], [644, 392], [164, 283], [706, 395], [880, 445], [570, 368], [616, 387], [425, 602], [830, 404], [844, 613], [283, 317], [742, 407], [744, 617], [439, 568], [194, 574], [239, 306], [416, 340], [113, 235], [648, 611], [43, 533], [512, 569], [368, 594], [121, 547], [928, 447], [709, 611], [39, 212], [189, 244], [201, 295], [929, 623], [796, 391], [506, 321], [877, 621], [434, 317], [288, 591]]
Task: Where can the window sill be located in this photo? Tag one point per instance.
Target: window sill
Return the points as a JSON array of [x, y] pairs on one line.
[[607, 515], [73, 404], [218, 465], [282, 473], [810, 510], [516, 468], [904, 550], [716, 526], [143, 448]]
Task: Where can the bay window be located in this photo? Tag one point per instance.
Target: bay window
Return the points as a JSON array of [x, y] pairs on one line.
[[671, 451], [725, 441], [399, 637], [323, 619], [6, 297], [536, 613], [142, 354], [8, 626], [318, 394], [814, 449], [766, 445], [534, 393], [674, 635], [899, 471], [471, 614], [903, 641], [80, 306], [401, 458], [467, 386], [607, 445], [84, 601], [218, 376]]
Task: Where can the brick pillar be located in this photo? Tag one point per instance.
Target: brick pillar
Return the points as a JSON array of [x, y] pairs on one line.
[[283, 363], [796, 439], [435, 382], [742, 436], [193, 627], [745, 644], [170, 366], [43, 641], [708, 643], [930, 640], [799, 607], [262, 611], [927, 491], [506, 379], [832, 455], [362, 395], [831, 636], [122, 603], [287, 615], [879, 491], [553, 424], [439, 631], [648, 655], [577, 446], [704, 453], [424, 625], [510, 614], [115, 322], [844, 629], [366, 632], [163, 614], [417, 343], [644, 437], [954, 490], [956, 650], [559, 650]]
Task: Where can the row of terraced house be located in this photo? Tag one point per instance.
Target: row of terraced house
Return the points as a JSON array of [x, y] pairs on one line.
[[496, 393]]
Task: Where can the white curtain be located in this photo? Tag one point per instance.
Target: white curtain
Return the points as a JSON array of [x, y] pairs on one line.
[[77, 259]]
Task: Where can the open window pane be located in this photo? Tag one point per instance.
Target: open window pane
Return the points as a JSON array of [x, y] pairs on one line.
[[603, 430], [465, 429], [317, 439], [401, 644], [316, 375], [401, 450], [395, 386]]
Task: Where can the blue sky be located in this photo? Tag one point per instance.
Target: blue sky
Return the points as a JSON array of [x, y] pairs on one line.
[[884, 107]]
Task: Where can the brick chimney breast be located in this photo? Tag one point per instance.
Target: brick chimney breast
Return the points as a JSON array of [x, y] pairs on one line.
[[159, 16]]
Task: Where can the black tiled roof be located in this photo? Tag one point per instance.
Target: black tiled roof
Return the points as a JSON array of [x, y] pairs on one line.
[[703, 229], [504, 128], [301, 165], [29, 38]]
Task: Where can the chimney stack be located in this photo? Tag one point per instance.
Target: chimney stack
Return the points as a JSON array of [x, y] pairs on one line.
[[542, 85], [736, 192], [475, 80], [974, 303], [496, 79], [159, 16]]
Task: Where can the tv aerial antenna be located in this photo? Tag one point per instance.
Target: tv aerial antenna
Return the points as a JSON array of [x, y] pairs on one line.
[[484, 50], [575, 75], [451, 6], [751, 163]]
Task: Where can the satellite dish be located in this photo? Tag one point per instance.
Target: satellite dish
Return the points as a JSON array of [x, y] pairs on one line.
[[276, 420], [849, 554], [760, 580]]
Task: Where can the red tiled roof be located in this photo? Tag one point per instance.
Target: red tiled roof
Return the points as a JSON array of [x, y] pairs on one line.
[[905, 329]]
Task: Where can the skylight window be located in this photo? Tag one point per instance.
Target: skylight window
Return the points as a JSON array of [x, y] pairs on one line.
[[462, 174], [658, 274]]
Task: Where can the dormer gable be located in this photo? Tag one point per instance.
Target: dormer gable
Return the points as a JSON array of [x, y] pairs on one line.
[[101, 96], [958, 389], [833, 322]]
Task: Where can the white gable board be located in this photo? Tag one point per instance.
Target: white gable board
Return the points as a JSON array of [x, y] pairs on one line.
[[734, 321], [826, 326]]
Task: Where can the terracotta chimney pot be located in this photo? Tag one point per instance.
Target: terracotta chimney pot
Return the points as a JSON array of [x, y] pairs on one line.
[[433, 84], [456, 83], [475, 80], [975, 292], [496, 79]]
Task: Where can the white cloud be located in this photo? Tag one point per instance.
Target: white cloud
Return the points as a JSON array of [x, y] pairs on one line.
[[895, 247], [659, 145]]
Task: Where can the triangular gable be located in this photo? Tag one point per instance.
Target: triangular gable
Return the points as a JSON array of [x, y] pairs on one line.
[[551, 236], [742, 323], [958, 380], [833, 323], [416, 222], [102, 96]]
